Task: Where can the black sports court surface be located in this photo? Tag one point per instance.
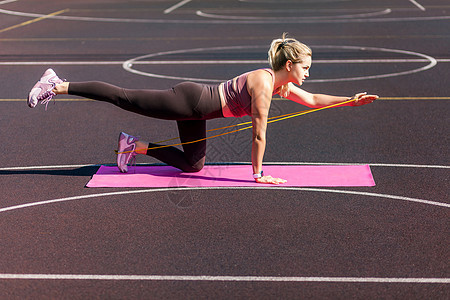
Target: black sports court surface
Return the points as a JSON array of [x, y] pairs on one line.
[[61, 240]]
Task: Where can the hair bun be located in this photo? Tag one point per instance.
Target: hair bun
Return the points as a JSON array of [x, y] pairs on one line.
[[282, 44]]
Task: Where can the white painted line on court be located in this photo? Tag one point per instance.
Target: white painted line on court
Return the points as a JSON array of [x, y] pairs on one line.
[[233, 17], [261, 21], [225, 278], [432, 63], [418, 5], [7, 1], [428, 202], [240, 163], [320, 190], [128, 65], [347, 164], [46, 167], [412, 98], [292, 10], [178, 5], [67, 63], [213, 62], [410, 166], [304, 1], [264, 61]]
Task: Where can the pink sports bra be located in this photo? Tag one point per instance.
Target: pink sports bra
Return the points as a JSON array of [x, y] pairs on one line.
[[235, 94]]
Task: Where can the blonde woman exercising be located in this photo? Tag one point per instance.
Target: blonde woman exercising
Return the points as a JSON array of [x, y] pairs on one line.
[[191, 104]]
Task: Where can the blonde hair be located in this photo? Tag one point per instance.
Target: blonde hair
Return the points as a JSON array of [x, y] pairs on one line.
[[284, 49]]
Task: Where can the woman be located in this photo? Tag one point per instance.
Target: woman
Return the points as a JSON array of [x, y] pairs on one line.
[[191, 104]]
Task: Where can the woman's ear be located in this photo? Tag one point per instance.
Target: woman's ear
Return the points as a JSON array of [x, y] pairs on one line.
[[289, 65]]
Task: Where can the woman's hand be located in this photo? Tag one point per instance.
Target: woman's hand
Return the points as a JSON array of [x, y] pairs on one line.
[[363, 98], [269, 179]]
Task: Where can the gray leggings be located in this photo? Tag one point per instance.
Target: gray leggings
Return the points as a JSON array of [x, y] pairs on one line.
[[190, 104]]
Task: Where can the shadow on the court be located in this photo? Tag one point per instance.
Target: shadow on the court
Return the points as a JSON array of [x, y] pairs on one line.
[[81, 171]]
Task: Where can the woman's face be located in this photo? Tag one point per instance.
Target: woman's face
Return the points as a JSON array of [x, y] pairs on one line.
[[300, 71]]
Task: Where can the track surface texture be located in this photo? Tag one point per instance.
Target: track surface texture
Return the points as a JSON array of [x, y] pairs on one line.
[[61, 240]]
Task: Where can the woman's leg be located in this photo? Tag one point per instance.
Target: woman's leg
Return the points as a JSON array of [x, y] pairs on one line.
[[178, 103], [192, 159]]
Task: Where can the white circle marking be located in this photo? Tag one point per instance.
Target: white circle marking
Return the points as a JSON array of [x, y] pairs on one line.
[[128, 65]]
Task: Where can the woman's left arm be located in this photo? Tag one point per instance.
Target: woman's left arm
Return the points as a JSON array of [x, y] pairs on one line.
[[320, 100], [259, 85]]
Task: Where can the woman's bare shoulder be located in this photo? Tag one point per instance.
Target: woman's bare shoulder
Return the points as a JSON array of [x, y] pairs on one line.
[[260, 77]]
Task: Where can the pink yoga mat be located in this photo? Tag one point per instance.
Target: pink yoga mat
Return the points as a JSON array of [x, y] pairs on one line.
[[233, 175]]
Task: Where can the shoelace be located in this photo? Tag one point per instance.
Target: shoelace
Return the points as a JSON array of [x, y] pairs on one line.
[[132, 157], [46, 97]]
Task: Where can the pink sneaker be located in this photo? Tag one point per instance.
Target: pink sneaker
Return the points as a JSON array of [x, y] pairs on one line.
[[42, 90], [126, 151]]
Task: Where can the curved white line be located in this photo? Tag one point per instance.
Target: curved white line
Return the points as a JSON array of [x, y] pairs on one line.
[[224, 17], [180, 21], [432, 63], [115, 277], [176, 6], [416, 200], [7, 1], [290, 2], [128, 65]]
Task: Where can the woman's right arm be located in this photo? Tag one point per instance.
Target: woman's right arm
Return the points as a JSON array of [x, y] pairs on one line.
[[321, 100]]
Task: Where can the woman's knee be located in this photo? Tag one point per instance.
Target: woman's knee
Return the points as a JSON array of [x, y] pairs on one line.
[[195, 167]]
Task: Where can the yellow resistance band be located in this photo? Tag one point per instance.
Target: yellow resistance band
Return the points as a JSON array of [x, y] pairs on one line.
[[271, 120]]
